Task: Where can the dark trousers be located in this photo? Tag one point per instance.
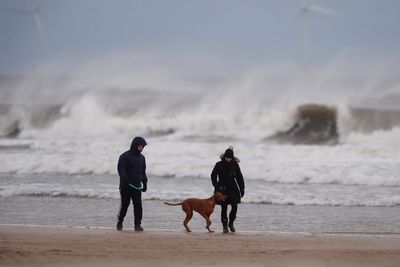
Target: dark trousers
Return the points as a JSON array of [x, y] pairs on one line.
[[232, 214], [126, 195]]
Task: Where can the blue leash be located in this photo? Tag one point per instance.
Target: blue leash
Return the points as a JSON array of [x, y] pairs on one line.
[[135, 187]]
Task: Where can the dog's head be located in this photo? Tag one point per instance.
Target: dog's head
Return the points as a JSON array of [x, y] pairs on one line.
[[219, 197]]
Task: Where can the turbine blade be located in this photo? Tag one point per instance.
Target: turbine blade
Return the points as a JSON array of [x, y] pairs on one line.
[[39, 29], [322, 10], [302, 11], [35, 6], [17, 10], [304, 7]]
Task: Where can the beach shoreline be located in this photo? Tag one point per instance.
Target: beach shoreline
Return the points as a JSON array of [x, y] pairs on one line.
[[61, 246]]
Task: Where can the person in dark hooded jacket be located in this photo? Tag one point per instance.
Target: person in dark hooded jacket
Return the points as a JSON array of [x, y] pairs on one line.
[[227, 178], [132, 181]]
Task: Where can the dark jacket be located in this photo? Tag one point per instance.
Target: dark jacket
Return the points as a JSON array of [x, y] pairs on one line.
[[132, 166], [227, 178]]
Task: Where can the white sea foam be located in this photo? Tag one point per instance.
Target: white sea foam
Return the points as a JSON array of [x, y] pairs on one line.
[[176, 189], [190, 120], [355, 163]]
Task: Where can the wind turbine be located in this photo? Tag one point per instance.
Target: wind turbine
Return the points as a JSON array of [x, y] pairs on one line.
[[37, 28], [306, 9]]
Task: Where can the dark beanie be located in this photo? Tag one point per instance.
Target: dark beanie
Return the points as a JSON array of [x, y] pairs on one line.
[[228, 153]]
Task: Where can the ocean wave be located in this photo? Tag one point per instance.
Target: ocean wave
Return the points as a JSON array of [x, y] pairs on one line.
[[256, 200], [161, 101], [368, 120], [314, 124], [324, 202], [177, 163], [34, 191], [18, 117], [322, 124], [267, 194], [184, 110], [307, 124]]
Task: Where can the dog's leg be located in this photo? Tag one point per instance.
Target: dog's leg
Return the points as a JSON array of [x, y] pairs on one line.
[[208, 221], [189, 214], [208, 225]]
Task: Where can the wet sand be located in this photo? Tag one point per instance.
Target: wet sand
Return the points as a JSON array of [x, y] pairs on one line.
[[57, 246]]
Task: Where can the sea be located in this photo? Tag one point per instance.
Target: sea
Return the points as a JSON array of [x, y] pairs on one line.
[[319, 154]]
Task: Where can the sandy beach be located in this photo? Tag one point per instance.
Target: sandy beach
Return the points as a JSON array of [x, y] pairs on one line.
[[57, 246]]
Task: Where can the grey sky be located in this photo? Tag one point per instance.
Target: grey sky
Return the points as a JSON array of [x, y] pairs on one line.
[[235, 32]]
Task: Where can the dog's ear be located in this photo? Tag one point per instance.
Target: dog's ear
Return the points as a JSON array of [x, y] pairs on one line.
[[220, 196]]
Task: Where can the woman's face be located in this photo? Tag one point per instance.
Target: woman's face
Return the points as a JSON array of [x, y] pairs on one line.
[[228, 159]]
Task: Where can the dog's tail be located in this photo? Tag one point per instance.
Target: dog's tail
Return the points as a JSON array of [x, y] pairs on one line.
[[173, 204]]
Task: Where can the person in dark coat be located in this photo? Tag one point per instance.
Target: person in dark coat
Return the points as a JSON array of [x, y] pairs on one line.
[[132, 181], [227, 178]]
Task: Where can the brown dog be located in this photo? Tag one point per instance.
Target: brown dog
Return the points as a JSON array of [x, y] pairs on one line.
[[204, 207]]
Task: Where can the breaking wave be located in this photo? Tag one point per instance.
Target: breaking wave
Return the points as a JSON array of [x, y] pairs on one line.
[[266, 103], [310, 123], [273, 196], [328, 140], [314, 124]]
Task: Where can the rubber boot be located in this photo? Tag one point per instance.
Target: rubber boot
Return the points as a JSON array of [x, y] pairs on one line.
[[231, 227], [225, 227], [138, 228], [119, 226]]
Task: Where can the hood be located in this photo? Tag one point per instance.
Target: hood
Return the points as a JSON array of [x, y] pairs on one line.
[[229, 154], [136, 142], [233, 160]]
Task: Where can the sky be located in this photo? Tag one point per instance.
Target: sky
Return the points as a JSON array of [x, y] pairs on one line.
[[235, 33]]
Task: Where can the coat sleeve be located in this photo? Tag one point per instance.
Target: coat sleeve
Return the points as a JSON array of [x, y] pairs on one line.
[[122, 169], [214, 175], [144, 181], [239, 178]]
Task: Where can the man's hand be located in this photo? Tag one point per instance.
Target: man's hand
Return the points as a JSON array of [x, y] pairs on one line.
[[144, 188]]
